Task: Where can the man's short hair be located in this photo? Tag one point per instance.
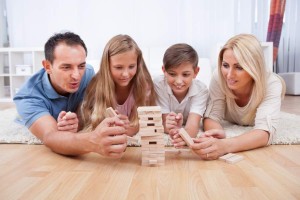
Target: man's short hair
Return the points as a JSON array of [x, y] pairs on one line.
[[68, 38]]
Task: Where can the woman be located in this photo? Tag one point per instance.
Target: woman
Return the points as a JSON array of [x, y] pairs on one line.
[[242, 91]]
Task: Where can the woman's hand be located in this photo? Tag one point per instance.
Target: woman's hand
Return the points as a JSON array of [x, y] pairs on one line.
[[216, 133], [209, 148]]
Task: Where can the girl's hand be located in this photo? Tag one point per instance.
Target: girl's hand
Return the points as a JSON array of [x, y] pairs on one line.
[[67, 121]]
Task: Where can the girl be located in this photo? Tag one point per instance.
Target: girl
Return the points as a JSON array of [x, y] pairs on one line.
[[123, 83]]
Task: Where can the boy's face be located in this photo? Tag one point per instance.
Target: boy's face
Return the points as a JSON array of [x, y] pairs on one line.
[[180, 78], [67, 69]]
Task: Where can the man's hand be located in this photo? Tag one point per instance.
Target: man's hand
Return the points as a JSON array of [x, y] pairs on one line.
[[109, 138], [67, 121]]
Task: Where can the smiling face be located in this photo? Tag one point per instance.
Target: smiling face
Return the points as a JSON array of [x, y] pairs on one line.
[[237, 79], [123, 68], [180, 78], [67, 69]]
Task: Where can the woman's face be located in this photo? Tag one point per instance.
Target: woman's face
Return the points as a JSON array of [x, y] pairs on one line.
[[237, 79], [123, 68]]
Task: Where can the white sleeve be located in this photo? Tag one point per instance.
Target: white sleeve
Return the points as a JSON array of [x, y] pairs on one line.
[[163, 99], [268, 112], [199, 102]]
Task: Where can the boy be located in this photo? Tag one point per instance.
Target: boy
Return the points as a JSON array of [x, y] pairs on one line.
[[182, 98]]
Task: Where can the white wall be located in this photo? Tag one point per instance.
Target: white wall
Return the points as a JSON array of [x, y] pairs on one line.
[[154, 24]]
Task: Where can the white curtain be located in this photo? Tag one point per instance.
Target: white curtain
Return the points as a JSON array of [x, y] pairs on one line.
[[288, 59], [152, 23]]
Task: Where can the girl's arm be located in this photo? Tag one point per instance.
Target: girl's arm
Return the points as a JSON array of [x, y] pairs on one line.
[[132, 130]]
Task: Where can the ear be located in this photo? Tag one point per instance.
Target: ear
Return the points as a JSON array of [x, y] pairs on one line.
[[163, 69], [196, 71], [47, 66]]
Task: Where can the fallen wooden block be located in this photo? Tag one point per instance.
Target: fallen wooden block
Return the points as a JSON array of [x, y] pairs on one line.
[[231, 158], [186, 137]]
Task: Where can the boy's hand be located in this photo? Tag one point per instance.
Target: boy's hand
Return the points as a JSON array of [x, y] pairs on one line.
[[67, 121], [174, 121]]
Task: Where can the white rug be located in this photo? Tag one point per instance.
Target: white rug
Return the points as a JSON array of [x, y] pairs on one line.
[[287, 133]]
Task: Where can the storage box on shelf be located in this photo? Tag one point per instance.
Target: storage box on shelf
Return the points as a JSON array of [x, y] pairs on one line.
[[16, 66]]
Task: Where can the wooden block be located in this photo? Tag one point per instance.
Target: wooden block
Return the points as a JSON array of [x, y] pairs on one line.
[[149, 108], [110, 112], [226, 156], [234, 159], [132, 140], [186, 137], [175, 150]]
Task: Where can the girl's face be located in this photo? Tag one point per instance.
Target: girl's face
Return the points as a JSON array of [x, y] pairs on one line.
[[180, 78], [237, 79], [123, 67]]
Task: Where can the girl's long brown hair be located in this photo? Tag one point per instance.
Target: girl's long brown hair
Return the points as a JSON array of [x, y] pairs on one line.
[[100, 93]]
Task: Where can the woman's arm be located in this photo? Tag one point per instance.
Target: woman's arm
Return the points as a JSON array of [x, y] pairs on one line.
[[209, 148]]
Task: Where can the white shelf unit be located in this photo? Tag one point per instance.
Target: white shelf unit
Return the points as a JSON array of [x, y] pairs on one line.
[[16, 66]]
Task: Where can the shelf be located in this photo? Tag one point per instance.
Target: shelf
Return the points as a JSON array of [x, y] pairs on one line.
[[17, 65]]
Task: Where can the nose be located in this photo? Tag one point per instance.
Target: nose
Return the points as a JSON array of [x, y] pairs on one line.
[[230, 73], [125, 73], [75, 74], [178, 80]]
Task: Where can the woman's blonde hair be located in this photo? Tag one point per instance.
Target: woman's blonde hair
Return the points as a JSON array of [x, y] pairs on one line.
[[249, 54], [100, 93]]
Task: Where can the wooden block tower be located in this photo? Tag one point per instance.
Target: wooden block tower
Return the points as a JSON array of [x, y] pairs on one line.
[[152, 137]]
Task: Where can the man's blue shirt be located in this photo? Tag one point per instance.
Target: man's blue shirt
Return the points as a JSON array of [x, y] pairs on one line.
[[37, 97]]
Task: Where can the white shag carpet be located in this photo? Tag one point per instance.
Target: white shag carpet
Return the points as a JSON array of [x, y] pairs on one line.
[[288, 131]]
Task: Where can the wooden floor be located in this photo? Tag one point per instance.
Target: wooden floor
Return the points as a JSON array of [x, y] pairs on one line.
[[290, 104]]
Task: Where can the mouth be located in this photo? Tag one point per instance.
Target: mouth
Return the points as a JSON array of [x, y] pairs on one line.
[[74, 85], [231, 82], [178, 87]]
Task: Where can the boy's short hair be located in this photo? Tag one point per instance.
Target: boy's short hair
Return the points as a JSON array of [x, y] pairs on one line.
[[180, 53], [69, 38]]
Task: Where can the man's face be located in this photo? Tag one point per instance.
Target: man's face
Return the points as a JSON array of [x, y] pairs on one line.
[[67, 68]]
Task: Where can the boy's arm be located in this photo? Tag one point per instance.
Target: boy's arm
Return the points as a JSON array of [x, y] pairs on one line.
[[192, 125]]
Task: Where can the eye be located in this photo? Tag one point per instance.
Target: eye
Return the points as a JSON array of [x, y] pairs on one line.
[[132, 66], [118, 67], [65, 67], [186, 74], [172, 74], [239, 67], [225, 65], [81, 67]]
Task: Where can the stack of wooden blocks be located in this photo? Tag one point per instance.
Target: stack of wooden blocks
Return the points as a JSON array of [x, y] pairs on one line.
[[152, 135]]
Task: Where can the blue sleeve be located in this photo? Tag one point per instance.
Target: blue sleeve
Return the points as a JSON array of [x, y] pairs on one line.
[[30, 109]]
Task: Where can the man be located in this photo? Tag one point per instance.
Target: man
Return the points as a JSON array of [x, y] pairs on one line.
[[59, 87]]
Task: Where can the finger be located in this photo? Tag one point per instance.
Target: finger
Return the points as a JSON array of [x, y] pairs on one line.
[[117, 148], [111, 121], [70, 115], [61, 115], [179, 116], [113, 131], [115, 155]]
